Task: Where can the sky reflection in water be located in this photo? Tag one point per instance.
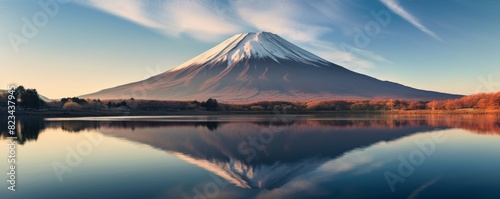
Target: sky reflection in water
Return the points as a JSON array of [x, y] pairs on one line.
[[261, 157]]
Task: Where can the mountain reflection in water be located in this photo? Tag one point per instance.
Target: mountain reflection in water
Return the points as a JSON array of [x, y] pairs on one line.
[[234, 147]]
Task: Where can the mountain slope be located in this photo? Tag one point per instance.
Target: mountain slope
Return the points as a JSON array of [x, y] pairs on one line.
[[298, 148], [262, 66]]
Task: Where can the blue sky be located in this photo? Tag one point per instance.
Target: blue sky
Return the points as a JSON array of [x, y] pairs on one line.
[[83, 46]]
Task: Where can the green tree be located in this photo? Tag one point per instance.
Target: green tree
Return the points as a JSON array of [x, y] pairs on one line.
[[20, 90], [28, 98], [210, 104]]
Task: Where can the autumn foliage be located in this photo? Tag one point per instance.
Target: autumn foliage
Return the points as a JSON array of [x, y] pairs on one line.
[[482, 101]]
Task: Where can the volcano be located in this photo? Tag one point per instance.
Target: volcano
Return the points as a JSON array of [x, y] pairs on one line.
[[261, 66]]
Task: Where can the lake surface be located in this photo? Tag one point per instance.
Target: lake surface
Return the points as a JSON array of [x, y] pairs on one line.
[[273, 156]]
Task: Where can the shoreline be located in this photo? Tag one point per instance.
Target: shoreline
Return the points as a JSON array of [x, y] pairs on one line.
[[444, 112], [69, 114]]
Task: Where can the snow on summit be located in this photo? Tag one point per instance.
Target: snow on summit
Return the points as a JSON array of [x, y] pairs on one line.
[[253, 45]]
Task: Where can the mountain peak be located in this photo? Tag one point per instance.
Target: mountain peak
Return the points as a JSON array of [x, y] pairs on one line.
[[256, 66], [255, 33], [254, 45]]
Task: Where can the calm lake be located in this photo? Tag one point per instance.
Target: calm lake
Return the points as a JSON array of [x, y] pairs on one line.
[[248, 156]]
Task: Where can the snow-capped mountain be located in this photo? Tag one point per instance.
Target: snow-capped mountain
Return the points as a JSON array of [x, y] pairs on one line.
[[262, 66], [297, 148], [261, 45]]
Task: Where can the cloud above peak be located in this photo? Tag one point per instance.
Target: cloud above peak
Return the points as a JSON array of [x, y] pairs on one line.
[[286, 18], [172, 18], [131, 10], [303, 23], [198, 19], [399, 10], [209, 20]]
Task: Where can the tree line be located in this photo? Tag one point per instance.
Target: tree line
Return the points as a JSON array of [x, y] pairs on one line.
[[482, 101], [29, 98], [25, 98]]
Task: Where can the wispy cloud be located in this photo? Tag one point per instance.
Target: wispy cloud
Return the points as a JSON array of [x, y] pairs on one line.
[[198, 19], [173, 18], [357, 59], [399, 10], [415, 193], [130, 10], [285, 18], [302, 23]]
